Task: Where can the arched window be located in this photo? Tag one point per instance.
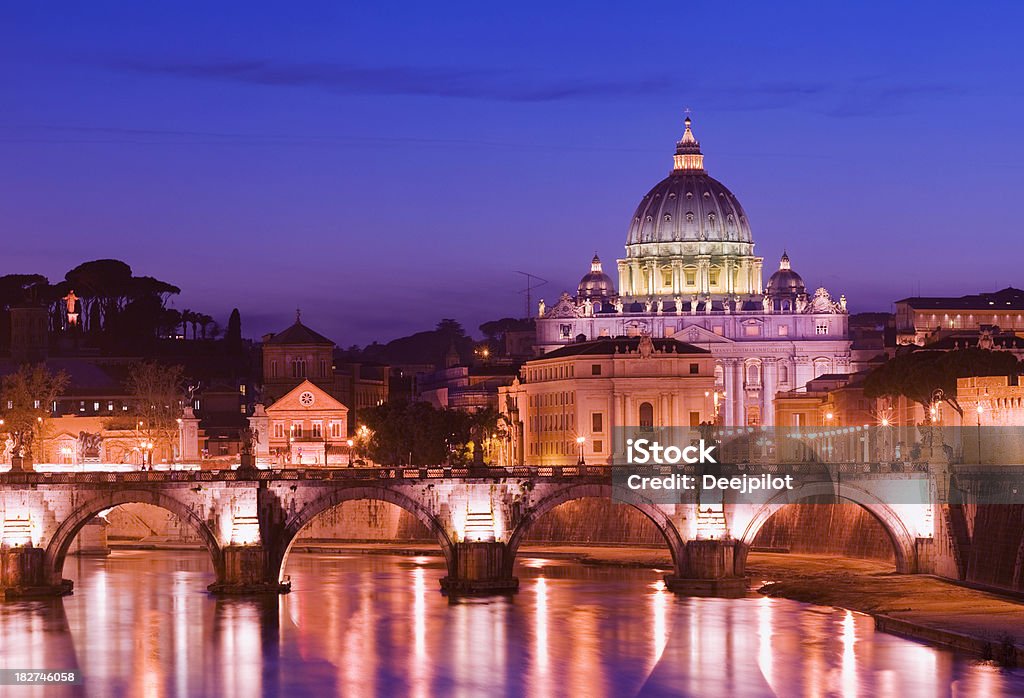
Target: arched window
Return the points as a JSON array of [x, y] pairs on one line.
[[719, 375], [821, 367], [753, 374], [298, 368], [646, 416]]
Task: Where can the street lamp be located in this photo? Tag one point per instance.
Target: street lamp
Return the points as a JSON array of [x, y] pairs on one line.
[[349, 442], [580, 440], [980, 410]]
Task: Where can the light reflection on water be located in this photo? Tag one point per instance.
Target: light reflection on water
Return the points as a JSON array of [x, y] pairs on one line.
[[363, 625]]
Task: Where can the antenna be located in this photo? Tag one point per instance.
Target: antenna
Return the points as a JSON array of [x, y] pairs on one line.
[[530, 285]]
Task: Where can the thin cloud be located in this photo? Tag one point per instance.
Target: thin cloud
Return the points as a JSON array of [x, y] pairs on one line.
[[400, 80]]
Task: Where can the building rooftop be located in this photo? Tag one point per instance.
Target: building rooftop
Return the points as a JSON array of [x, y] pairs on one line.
[[621, 345], [1009, 298], [299, 334]]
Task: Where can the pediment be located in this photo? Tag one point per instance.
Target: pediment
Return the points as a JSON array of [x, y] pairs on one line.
[[695, 334], [296, 399]]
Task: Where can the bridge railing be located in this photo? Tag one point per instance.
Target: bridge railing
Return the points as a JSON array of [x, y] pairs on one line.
[[438, 472]]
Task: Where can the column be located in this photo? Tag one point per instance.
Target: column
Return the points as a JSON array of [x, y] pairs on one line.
[[623, 277], [739, 395], [731, 391], [770, 369]]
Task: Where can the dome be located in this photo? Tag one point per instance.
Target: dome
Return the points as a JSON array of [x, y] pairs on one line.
[[785, 282], [596, 285], [689, 205]]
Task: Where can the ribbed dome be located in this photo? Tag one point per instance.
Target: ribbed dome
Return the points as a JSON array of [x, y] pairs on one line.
[[596, 285], [785, 282], [689, 204]]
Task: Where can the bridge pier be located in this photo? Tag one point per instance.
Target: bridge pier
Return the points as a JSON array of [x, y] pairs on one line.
[[710, 568], [480, 568], [23, 575], [247, 569]]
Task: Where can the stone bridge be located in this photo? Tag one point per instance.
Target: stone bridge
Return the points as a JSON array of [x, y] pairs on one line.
[[249, 520]]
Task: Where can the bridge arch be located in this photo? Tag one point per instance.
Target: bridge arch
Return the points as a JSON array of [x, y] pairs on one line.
[[336, 497], [903, 542], [653, 512], [60, 541]]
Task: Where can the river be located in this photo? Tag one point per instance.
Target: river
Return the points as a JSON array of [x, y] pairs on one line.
[[141, 624]]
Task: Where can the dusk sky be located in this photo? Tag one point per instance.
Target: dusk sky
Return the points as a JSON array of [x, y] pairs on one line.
[[383, 166]]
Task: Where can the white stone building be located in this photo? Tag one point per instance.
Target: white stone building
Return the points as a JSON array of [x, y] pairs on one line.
[[690, 274]]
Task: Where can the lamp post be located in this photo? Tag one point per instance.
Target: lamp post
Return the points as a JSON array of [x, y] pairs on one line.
[[349, 443], [580, 440], [42, 440], [980, 410]]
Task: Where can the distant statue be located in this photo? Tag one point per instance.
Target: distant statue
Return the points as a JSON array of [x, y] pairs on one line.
[[618, 306], [648, 306], [661, 306], [588, 308], [801, 303], [250, 438], [89, 445], [707, 306], [766, 304], [646, 346], [679, 305], [693, 305], [540, 308], [842, 303]]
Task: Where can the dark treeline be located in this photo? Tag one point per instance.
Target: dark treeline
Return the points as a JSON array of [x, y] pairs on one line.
[[115, 309]]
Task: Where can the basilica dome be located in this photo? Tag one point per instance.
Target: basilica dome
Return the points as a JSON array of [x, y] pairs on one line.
[[689, 204], [785, 282], [596, 285]]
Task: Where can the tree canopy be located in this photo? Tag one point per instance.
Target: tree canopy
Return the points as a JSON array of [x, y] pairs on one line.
[[916, 375]]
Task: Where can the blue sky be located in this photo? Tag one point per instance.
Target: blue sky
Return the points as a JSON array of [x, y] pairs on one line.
[[386, 165]]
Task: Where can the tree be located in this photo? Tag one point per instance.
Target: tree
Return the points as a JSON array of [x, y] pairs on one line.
[[416, 433], [156, 394], [233, 338], [919, 375], [26, 397]]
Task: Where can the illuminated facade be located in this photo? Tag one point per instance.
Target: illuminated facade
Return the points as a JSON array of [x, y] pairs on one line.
[[582, 391], [690, 274]]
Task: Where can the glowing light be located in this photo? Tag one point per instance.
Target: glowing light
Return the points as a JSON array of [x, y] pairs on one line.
[[245, 530], [659, 611], [849, 662]]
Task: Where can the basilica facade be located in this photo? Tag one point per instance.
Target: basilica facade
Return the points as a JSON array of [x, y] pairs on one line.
[[690, 274]]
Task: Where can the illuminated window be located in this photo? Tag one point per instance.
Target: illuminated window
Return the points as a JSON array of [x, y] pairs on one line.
[[297, 430], [691, 277], [666, 277], [695, 419], [752, 330], [317, 430], [713, 277], [821, 327], [646, 416], [335, 429], [783, 330]]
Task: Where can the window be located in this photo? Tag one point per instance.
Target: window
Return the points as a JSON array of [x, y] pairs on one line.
[[110, 406], [694, 369], [717, 329], [753, 374], [335, 429], [783, 373], [691, 277], [752, 330], [323, 367], [821, 327], [298, 368], [278, 430], [598, 446], [754, 417], [297, 430], [565, 331], [317, 428], [595, 369], [713, 277], [646, 416], [273, 368], [821, 367], [783, 330], [241, 408], [597, 422], [666, 277]]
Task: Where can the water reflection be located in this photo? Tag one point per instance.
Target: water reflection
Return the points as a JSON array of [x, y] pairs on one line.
[[364, 625]]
